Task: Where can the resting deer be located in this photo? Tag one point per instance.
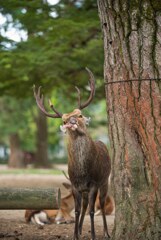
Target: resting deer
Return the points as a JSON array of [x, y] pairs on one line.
[[109, 204], [59, 216], [88, 161], [63, 215]]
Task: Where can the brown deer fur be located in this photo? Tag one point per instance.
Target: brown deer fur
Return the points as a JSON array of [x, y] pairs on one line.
[[61, 215], [88, 169], [109, 205], [88, 161]]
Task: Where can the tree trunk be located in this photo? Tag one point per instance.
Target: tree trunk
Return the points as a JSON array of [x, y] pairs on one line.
[[42, 144], [16, 158], [132, 44]]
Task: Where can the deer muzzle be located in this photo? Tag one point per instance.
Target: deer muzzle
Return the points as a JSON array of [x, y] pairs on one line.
[[72, 124], [73, 120]]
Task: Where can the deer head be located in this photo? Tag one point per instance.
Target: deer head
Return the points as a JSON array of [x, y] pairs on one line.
[[71, 121]]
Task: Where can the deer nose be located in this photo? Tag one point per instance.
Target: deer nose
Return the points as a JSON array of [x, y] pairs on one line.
[[73, 120]]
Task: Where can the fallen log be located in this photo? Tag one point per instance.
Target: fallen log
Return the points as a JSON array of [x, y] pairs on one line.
[[30, 198]]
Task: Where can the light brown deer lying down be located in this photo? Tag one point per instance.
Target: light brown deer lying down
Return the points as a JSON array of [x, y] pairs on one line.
[[89, 163], [109, 204], [63, 215]]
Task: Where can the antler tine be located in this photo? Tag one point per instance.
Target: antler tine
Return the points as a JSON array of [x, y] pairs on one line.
[[92, 87], [39, 100], [54, 109]]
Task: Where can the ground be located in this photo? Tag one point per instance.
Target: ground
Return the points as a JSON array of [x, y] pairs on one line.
[[12, 222]]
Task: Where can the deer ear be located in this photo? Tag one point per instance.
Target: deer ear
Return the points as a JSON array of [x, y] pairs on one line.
[[67, 185], [87, 120]]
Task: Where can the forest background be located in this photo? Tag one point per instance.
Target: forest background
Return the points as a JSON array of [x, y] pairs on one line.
[[49, 44]]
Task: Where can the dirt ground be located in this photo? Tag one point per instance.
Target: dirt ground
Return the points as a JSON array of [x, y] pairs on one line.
[[14, 227]]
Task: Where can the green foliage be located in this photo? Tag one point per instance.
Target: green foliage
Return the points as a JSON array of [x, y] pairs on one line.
[[17, 117], [62, 40], [57, 48]]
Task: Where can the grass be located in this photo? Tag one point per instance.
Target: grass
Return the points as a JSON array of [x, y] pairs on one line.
[[31, 171]]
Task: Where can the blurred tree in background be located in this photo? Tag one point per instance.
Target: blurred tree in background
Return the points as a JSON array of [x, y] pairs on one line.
[[16, 128], [56, 43]]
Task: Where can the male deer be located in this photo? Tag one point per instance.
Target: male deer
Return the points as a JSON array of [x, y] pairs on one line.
[[109, 207], [88, 161], [63, 215]]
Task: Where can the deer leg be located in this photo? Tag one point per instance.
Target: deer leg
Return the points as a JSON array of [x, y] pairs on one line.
[[92, 199], [77, 200], [84, 208], [102, 199]]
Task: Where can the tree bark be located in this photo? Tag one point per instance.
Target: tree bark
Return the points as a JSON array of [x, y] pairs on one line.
[[16, 158], [132, 44], [42, 142]]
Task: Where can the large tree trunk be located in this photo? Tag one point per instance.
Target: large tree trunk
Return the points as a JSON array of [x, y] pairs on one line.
[[132, 46], [16, 158], [42, 142]]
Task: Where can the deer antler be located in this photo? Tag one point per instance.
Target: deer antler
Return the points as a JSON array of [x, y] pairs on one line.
[[40, 103], [92, 87]]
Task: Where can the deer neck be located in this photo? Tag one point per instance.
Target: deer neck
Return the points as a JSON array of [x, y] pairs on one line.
[[79, 146]]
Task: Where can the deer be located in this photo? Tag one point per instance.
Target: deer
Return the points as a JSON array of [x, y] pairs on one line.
[[58, 216], [89, 162], [63, 215], [109, 204]]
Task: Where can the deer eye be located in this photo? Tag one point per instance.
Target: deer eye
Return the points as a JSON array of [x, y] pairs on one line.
[[80, 116], [64, 122]]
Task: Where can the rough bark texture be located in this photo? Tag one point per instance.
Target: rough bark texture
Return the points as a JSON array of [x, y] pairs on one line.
[[16, 158], [41, 153], [132, 45]]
